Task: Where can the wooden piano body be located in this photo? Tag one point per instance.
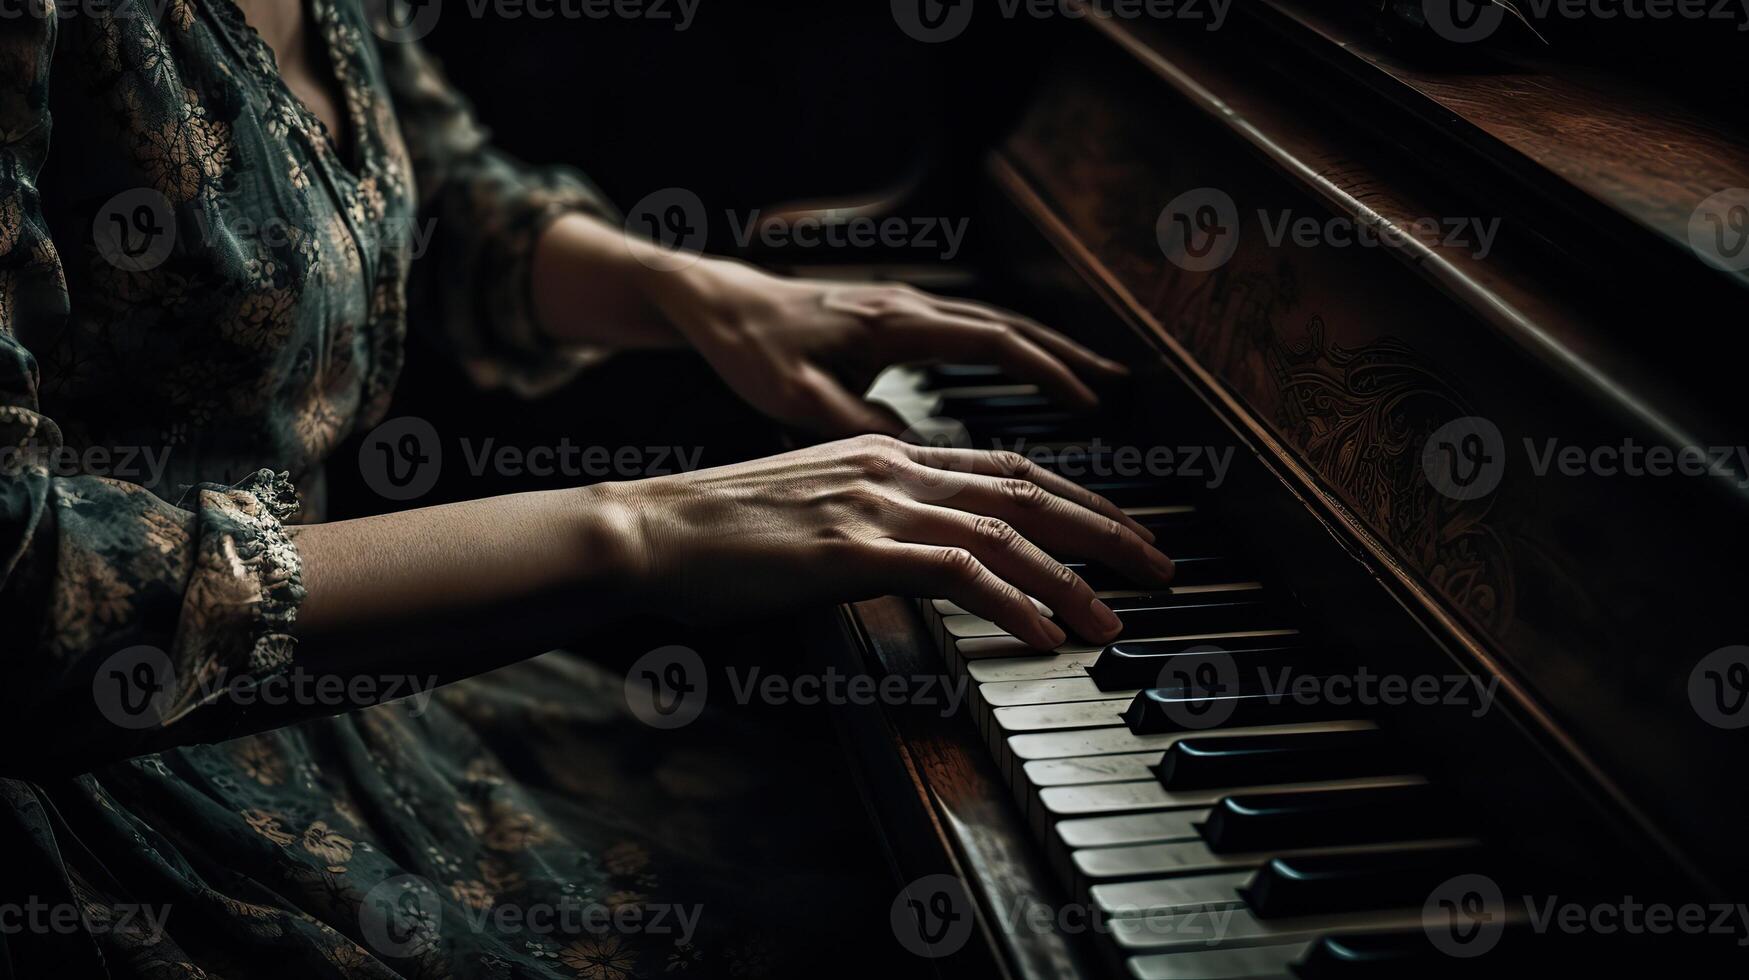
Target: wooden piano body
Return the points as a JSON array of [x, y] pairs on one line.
[[1589, 319]]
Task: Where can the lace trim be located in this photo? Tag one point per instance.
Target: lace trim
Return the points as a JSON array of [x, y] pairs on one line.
[[247, 586], [263, 502]]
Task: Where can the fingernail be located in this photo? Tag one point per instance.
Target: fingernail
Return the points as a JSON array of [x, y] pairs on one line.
[[1108, 622], [1144, 534], [1053, 633], [1162, 564]]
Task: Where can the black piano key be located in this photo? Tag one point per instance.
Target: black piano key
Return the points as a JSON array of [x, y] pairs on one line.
[[1189, 546], [1127, 492], [1203, 613], [1101, 578], [1517, 951], [1015, 433], [938, 376], [1380, 956], [1258, 760], [1035, 424], [1215, 570], [1140, 600], [1161, 711], [1268, 822], [1129, 665], [954, 406], [1136, 600], [1323, 884], [1218, 570], [1183, 534]]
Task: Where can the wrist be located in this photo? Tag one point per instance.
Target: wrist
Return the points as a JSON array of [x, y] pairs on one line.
[[698, 298], [595, 285], [608, 536]]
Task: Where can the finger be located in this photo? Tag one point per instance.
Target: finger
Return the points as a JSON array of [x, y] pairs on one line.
[[1059, 526], [1012, 464], [1017, 561], [931, 571], [940, 335], [828, 407], [1073, 353]]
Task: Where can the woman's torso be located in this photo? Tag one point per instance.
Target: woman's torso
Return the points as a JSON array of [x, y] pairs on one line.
[[237, 279]]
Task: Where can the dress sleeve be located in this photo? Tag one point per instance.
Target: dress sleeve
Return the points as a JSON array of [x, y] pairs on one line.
[[489, 210], [122, 617]]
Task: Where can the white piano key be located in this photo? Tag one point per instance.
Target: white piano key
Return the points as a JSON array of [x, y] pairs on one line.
[[1005, 646], [1049, 717], [1212, 587], [1141, 794], [1148, 794], [1053, 690], [1118, 738], [1000, 669], [1019, 662], [1236, 927], [1161, 510], [1246, 963], [948, 607], [1170, 896], [969, 627], [1130, 828], [901, 389], [1084, 769], [1165, 858], [1182, 590], [1194, 857]]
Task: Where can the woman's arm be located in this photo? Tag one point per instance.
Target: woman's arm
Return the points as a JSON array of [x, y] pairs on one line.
[[457, 589], [800, 350], [594, 285], [444, 592]]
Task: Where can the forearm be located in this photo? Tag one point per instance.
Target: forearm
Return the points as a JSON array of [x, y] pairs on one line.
[[595, 285], [447, 592]]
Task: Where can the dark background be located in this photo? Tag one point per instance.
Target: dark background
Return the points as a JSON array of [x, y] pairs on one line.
[[757, 102], [752, 106]]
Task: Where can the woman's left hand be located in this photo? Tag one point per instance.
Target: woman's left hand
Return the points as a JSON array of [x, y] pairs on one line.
[[802, 351]]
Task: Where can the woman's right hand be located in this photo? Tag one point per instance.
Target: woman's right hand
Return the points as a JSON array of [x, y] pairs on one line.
[[875, 516]]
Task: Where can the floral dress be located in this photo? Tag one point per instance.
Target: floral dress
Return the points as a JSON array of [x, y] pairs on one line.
[[199, 282]]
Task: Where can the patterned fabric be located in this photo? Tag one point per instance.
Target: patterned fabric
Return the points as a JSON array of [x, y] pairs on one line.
[[194, 272]]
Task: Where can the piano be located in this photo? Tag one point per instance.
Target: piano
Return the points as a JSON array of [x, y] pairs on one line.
[[1444, 685]]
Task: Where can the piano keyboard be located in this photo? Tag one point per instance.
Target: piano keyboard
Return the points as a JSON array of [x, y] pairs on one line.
[[1291, 838]]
